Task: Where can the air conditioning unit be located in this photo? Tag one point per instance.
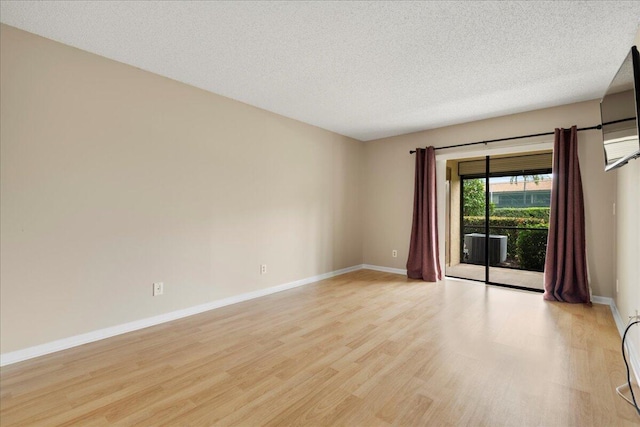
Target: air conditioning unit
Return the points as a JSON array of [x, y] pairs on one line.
[[474, 247]]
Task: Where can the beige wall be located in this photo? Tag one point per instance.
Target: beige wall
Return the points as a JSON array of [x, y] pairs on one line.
[[113, 178], [628, 244], [389, 174], [452, 236]]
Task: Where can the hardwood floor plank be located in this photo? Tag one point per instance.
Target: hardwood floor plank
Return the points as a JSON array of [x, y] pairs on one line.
[[271, 404], [399, 406]]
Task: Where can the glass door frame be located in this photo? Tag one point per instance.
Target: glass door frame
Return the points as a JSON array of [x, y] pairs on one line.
[[487, 225]]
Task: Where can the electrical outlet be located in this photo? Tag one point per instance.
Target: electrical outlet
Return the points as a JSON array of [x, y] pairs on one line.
[[394, 253], [263, 269], [158, 289]]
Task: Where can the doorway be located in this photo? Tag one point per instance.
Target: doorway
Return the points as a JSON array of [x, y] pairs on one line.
[[506, 198]]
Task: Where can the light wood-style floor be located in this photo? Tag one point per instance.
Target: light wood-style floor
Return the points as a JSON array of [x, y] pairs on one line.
[[362, 349]]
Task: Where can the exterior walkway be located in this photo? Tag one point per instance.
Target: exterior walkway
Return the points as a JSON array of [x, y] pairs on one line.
[[506, 276]]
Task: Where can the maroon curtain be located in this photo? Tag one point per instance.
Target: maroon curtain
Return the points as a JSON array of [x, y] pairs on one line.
[[565, 267], [424, 258]]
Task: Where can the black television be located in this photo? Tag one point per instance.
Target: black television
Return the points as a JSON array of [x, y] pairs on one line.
[[619, 113]]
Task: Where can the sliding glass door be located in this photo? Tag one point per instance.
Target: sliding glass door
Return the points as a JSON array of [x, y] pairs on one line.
[[499, 228]]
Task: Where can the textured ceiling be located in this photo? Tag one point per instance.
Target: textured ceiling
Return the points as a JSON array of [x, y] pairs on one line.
[[363, 69]]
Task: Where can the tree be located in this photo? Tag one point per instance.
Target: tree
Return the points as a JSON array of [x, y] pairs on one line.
[[535, 178], [473, 198]]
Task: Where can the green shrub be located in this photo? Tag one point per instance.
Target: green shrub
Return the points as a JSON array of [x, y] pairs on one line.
[[542, 213], [497, 221], [531, 247]]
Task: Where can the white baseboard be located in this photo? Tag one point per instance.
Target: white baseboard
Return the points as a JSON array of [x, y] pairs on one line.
[[602, 300], [74, 341], [633, 354], [384, 269]]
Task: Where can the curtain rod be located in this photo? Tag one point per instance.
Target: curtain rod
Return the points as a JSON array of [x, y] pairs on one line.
[[524, 136]]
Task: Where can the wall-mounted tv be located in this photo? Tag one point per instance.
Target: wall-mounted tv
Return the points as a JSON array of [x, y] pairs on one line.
[[619, 113]]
